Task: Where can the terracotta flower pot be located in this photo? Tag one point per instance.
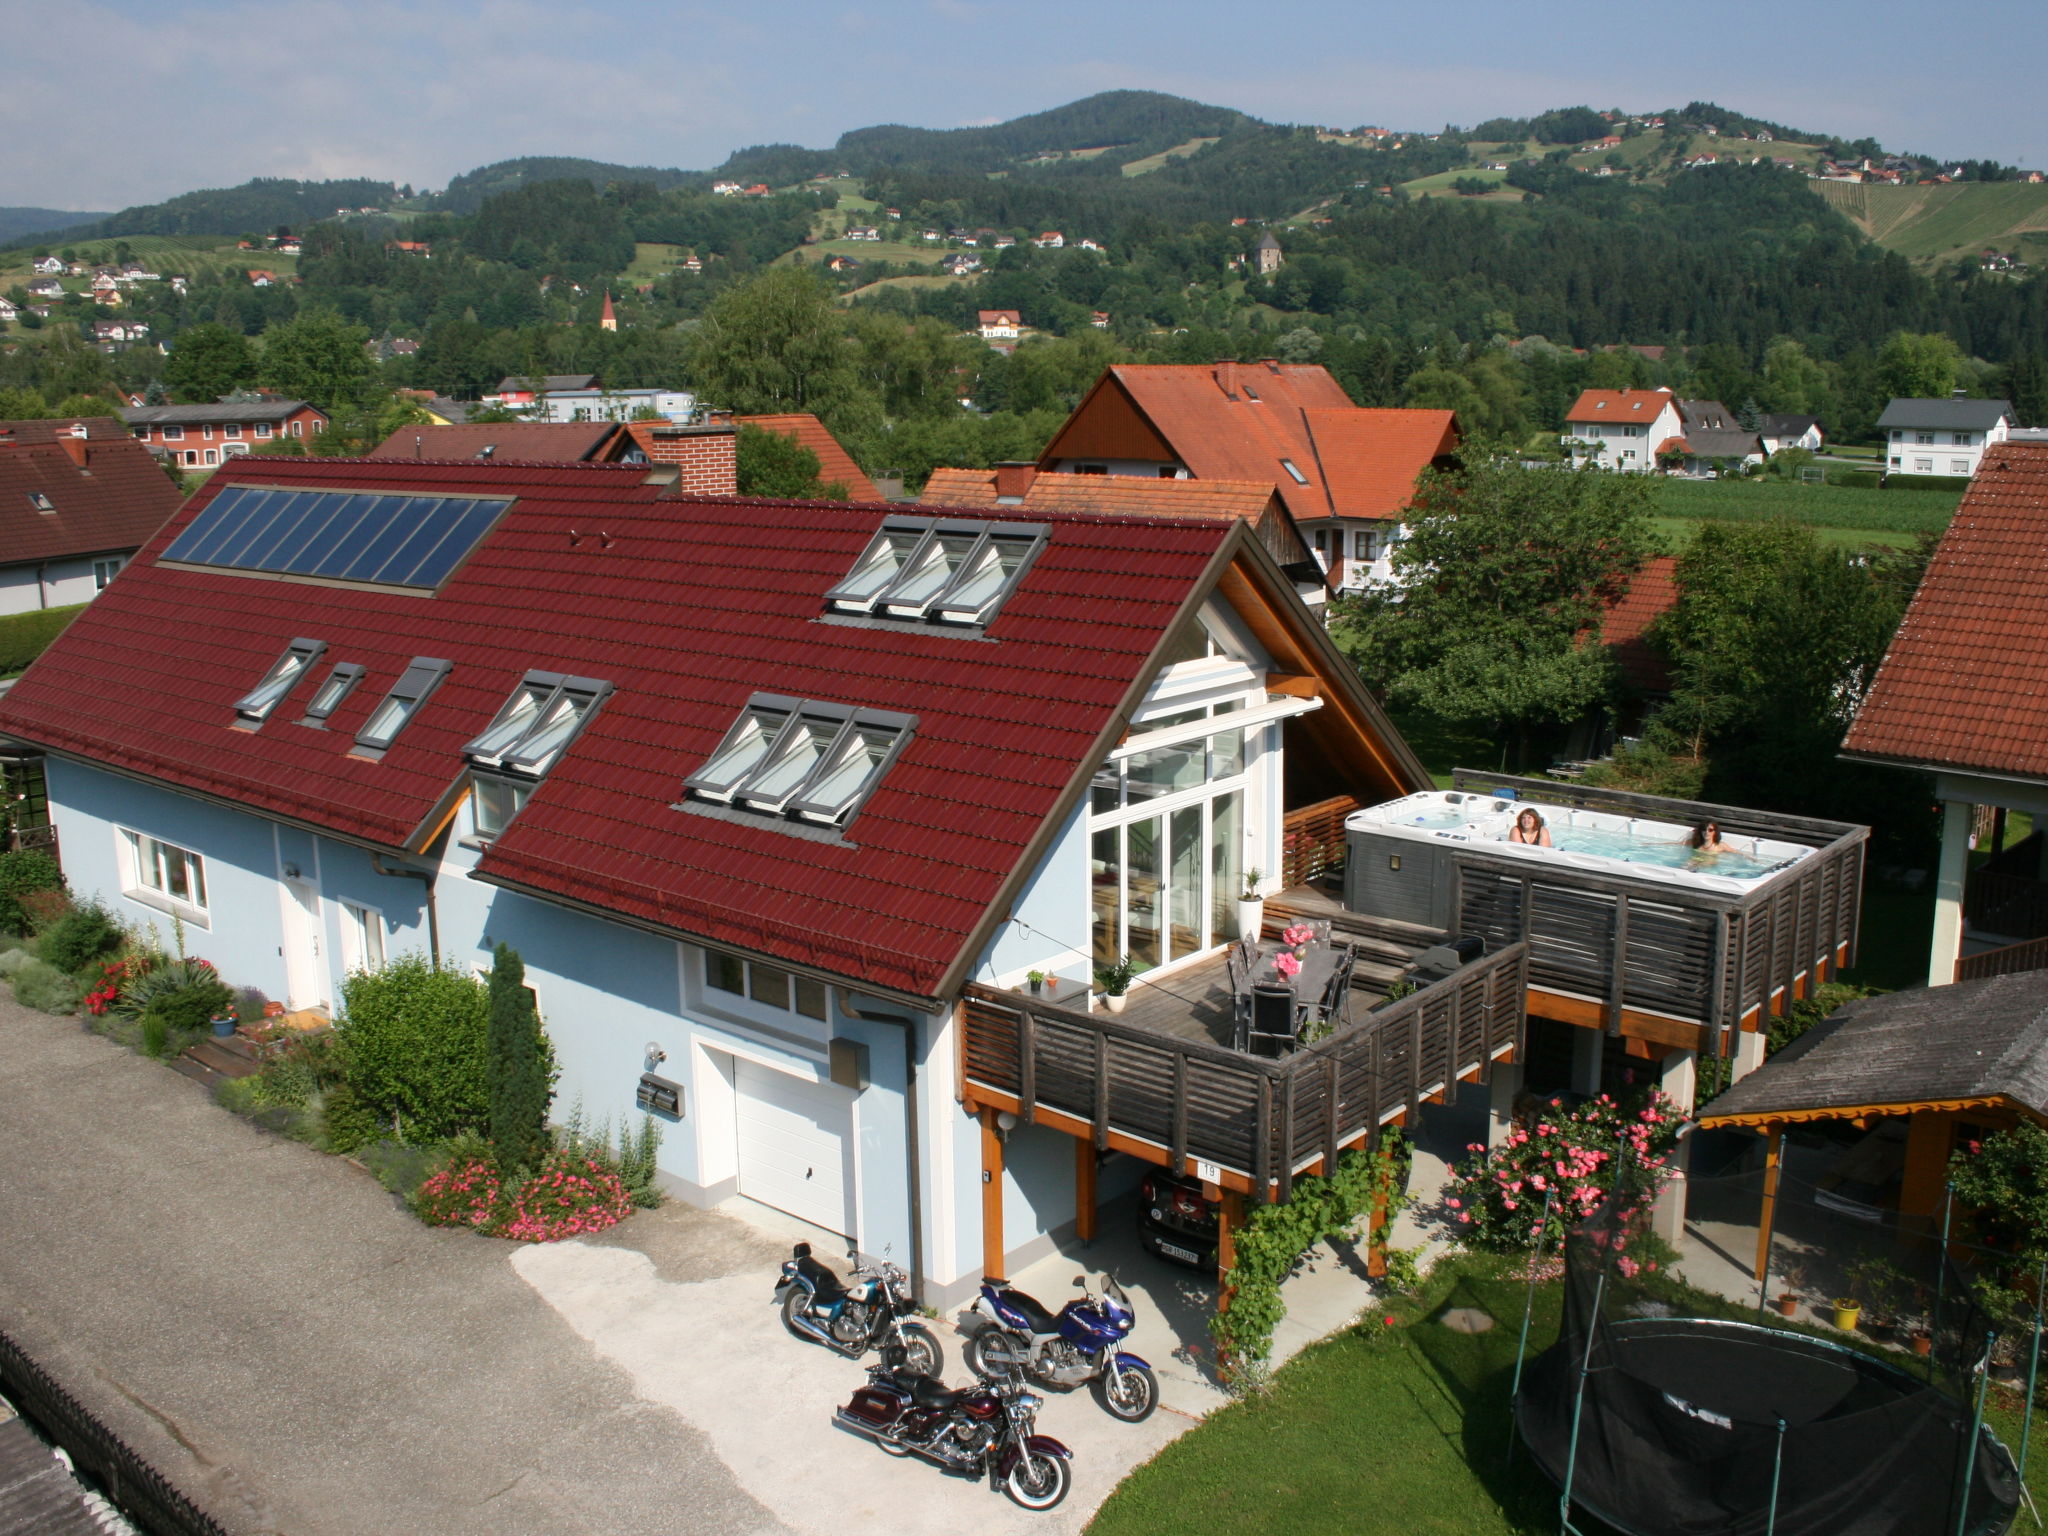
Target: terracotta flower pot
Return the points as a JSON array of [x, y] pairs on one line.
[[1788, 1304], [1923, 1343]]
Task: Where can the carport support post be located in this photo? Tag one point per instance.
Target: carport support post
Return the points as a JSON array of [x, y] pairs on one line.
[[991, 1196], [1773, 1155], [1084, 1188]]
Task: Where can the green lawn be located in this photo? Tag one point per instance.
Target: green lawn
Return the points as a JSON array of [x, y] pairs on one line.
[[1674, 533], [651, 260], [1389, 1431], [1851, 508]]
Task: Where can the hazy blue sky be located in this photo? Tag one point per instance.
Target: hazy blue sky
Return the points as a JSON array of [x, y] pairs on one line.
[[112, 102]]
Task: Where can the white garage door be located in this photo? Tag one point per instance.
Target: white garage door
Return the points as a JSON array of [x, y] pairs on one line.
[[794, 1140]]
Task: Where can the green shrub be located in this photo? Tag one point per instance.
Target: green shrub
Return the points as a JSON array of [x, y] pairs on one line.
[[243, 1095], [346, 1122], [42, 986], [304, 1065], [81, 936], [413, 1043], [13, 960], [156, 1034], [631, 1157], [25, 636], [22, 871], [1898, 482], [1862, 479], [522, 1074], [190, 1009], [399, 1168]]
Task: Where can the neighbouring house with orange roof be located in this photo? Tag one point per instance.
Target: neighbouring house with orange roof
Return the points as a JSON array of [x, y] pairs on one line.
[[1345, 473], [1621, 429], [1962, 695], [1024, 487], [1000, 324], [835, 464]]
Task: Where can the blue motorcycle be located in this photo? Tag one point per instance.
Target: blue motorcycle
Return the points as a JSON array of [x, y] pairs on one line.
[[875, 1311], [1016, 1334]]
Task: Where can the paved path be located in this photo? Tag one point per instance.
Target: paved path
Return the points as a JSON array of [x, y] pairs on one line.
[[269, 1328]]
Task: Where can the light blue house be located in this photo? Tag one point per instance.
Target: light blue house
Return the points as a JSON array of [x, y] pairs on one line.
[[765, 816]]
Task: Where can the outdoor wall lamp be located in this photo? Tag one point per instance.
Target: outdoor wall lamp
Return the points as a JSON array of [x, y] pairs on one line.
[[654, 1053], [291, 871]]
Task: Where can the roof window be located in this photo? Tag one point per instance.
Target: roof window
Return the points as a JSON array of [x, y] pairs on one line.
[[802, 759], [41, 502], [1289, 466], [371, 537], [414, 685], [328, 696], [540, 719], [283, 676], [923, 569]]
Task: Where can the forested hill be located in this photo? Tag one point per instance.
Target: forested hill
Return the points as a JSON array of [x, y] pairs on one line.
[[26, 221], [256, 206], [468, 192]]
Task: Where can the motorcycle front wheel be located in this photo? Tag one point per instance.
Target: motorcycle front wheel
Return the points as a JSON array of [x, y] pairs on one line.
[[923, 1355], [1131, 1396], [1037, 1481], [993, 1352], [793, 1303]]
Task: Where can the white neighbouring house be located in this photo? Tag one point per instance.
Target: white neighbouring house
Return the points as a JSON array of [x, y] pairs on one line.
[[1942, 437], [1000, 324], [1621, 429]]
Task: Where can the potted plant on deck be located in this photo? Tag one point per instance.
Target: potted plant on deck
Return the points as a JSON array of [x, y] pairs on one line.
[[1251, 907], [1116, 981], [1788, 1299], [1037, 981]]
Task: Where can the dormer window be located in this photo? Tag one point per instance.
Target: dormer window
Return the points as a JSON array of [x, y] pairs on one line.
[[799, 758], [283, 676], [414, 686], [921, 569], [328, 696]]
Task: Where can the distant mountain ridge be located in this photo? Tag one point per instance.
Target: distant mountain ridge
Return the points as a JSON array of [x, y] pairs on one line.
[[15, 222], [255, 206]]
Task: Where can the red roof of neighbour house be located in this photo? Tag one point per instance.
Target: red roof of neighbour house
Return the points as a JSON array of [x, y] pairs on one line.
[[1965, 682], [1249, 421], [1619, 404], [97, 429], [834, 462], [1625, 626], [1105, 495], [999, 317], [111, 502], [533, 442], [1008, 724]]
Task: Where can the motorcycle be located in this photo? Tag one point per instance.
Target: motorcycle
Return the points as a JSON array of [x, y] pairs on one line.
[[1079, 1345], [875, 1311], [986, 1430]]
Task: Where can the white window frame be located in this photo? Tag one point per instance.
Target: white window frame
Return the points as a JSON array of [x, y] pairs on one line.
[[743, 1002], [104, 571], [232, 429], [1959, 466], [146, 875], [173, 434], [263, 429], [362, 938]]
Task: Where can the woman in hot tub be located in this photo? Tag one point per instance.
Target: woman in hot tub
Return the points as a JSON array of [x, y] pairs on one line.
[[1529, 828], [1705, 841]]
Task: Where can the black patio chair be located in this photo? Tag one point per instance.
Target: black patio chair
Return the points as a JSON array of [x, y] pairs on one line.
[[1275, 1021], [1337, 991], [1240, 997]]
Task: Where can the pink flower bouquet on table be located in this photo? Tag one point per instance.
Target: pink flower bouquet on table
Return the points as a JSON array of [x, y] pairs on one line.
[[1286, 964], [1298, 934]]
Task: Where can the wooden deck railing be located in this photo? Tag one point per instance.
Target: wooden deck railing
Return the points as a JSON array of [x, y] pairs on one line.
[[1699, 957], [1262, 1120], [2014, 905], [1312, 840], [2028, 955]]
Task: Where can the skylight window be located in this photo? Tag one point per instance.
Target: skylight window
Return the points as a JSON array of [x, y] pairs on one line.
[[41, 502], [411, 542], [799, 758], [282, 677], [922, 569], [414, 685], [1292, 470], [540, 719], [328, 696]]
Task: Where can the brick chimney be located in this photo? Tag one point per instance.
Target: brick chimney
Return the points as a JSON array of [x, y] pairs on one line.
[[1013, 480], [704, 453], [74, 444], [1226, 378]]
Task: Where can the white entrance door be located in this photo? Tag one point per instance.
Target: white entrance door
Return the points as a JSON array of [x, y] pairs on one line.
[[795, 1137], [305, 976]]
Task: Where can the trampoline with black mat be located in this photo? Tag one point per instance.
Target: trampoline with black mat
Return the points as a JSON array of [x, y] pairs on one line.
[[1662, 1424]]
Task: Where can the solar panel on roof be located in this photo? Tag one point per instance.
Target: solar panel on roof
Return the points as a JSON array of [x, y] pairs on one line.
[[367, 536]]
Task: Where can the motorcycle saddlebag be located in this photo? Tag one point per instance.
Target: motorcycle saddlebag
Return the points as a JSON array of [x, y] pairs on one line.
[[874, 1406]]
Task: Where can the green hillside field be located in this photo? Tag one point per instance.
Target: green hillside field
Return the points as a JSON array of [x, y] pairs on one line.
[[1941, 223], [192, 255]]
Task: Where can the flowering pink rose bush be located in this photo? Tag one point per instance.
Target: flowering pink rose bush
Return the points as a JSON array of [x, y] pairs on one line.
[[464, 1194], [1496, 1199], [571, 1195]]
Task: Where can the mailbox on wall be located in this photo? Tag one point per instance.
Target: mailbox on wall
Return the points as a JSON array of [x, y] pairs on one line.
[[660, 1096], [850, 1064]]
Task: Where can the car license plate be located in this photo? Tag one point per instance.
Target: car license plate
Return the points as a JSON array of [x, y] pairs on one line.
[[1180, 1253]]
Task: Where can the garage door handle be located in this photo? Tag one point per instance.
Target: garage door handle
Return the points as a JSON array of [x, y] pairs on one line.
[[809, 1171]]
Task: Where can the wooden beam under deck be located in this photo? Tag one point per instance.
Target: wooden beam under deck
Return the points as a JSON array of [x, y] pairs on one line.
[[1587, 1013]]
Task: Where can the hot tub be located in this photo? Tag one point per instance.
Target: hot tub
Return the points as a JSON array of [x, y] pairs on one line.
[[1401, 851]]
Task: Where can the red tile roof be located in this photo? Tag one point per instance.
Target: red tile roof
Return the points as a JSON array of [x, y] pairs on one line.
[[1106, 495], [112, 504], [834, 462], [1240, 421], [1619, 404], [1965, 682], [532, 442], [97, 428], [1371, 458], [145, 681], [1626, 624]]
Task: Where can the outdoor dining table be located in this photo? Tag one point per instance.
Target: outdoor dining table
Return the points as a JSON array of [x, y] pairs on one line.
[[1317, 967]]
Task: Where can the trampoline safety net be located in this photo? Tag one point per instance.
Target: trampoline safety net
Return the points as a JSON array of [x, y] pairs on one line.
[[1672, 1406]]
